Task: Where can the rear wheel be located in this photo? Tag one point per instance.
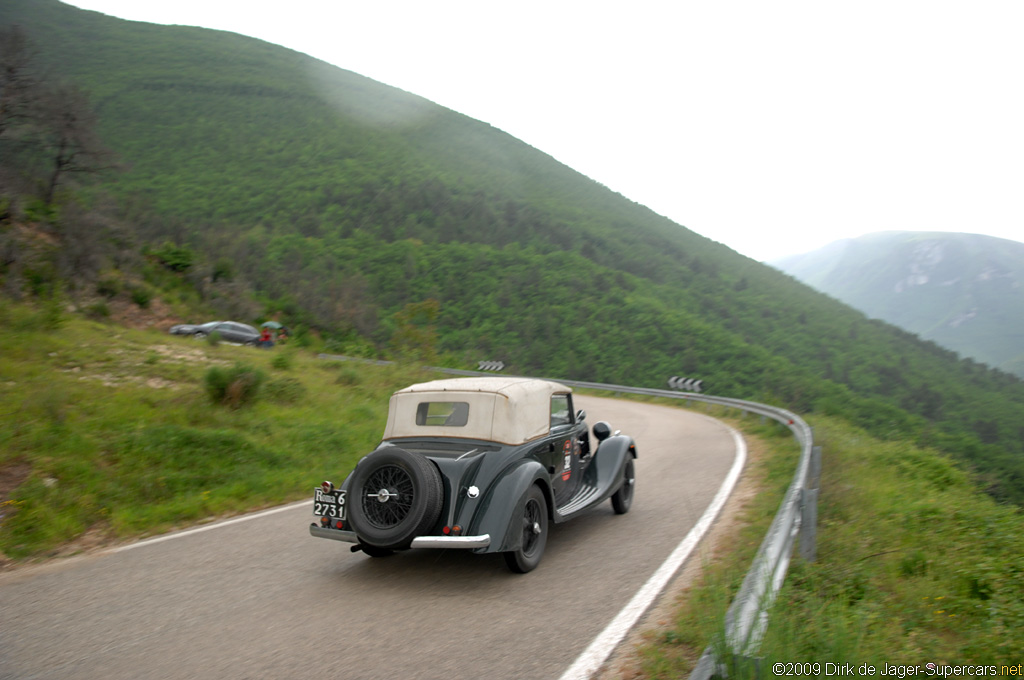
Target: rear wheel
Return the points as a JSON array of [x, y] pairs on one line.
[[533, 521], [623, 498]]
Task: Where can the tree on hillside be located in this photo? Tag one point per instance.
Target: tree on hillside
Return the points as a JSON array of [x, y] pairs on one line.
[[68, 139], [47, 133], [47, 129]]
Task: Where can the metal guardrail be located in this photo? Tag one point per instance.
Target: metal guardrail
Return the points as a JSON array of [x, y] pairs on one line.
[[747, 616]]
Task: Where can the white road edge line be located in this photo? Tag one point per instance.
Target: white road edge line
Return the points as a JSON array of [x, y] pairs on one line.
[[209, 527], [600, 649]]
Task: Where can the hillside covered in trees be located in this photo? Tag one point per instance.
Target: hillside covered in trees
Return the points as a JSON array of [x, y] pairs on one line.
[[253, 180]]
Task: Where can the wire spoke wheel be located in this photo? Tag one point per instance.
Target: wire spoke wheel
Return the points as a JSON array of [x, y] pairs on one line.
[[396, 496], [389, 496]]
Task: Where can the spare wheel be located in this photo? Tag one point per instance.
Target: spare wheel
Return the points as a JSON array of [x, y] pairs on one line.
[[396, 495]]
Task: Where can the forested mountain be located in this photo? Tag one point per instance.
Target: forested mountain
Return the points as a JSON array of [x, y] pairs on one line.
[[384, 221], [963, 291]]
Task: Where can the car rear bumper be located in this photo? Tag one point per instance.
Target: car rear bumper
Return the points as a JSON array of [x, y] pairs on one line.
[[464, 542], [468, 542], [335, 534]]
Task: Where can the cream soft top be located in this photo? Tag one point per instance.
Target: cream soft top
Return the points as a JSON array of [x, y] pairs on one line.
[[506, 410]]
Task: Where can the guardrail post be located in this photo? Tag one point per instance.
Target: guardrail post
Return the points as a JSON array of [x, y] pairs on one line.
[[809, 508], [809, 524], [814, 473]]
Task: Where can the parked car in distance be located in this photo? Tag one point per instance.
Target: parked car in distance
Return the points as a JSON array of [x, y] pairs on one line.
[[229, 331], [484, 464]]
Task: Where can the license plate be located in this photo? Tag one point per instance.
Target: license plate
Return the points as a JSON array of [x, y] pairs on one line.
[[329, 504]]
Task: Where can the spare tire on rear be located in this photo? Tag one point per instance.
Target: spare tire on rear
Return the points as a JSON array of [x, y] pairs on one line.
[[395, 496]]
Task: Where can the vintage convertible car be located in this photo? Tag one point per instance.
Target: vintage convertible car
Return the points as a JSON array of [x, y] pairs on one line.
[[484, 464]]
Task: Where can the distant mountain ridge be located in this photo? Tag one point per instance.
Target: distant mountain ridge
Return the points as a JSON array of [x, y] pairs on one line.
[[962, 291]]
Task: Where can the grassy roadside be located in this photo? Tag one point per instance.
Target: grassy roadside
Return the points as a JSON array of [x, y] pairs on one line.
[[108, 433], [915, 565]]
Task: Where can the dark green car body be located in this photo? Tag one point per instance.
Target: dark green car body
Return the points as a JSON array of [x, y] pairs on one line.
[[477, 493]]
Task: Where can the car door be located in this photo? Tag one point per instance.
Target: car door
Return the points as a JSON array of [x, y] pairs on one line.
[[566, 476], [226, 332], [235, 332]]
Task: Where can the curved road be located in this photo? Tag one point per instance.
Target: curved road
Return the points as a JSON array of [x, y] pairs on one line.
[[260, 598]]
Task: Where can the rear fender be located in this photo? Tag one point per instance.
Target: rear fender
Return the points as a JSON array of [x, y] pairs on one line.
[[504, 502]]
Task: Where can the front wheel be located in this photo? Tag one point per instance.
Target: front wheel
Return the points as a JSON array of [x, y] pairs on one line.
[[623, 498], [533, 521]]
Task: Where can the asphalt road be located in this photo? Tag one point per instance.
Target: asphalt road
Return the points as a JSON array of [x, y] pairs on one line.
[[260, 598]]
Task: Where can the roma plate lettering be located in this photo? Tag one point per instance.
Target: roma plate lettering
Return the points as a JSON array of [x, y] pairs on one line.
[[329, 504]]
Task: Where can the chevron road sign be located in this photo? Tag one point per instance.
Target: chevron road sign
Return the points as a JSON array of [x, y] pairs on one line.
[[685, 384], [491, 366]]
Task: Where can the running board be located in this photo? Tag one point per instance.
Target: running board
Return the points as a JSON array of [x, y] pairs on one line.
[[582, 500]]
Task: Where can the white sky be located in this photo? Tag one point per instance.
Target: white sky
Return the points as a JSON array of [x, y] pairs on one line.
[[772, 127]]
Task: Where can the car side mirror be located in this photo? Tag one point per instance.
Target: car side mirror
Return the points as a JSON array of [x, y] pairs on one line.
[[602, 430], [581, 415]]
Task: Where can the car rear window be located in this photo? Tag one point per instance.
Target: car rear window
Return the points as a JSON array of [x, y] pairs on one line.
[[442, 413]]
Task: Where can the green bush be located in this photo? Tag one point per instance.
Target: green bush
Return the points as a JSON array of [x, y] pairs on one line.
[[108, 287], [39, 210], [51, 315], [176, 258], [223, 270], [141, 296], [233, 387], [98, 311], [282, 361], [46, 317], [41, 279]]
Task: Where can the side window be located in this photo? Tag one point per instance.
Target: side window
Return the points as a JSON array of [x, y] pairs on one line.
[[560, 410]]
